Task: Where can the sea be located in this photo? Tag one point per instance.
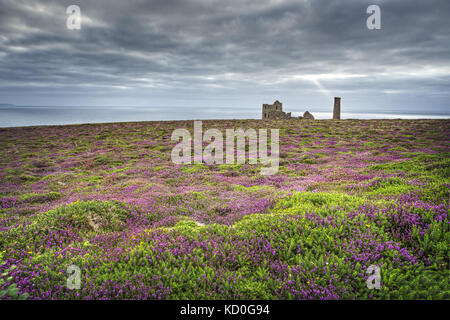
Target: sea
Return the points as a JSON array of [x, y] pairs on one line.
[[15, 116]]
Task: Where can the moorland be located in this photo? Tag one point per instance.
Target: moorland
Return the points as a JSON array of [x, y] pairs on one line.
[[107, 198]]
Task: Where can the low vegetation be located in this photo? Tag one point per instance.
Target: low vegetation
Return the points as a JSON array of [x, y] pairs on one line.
[[107, 198]]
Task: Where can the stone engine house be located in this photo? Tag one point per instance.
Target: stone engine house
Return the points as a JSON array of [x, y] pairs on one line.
[[274, 111]]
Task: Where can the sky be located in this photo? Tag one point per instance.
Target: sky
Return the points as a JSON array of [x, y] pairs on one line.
[[228, 54]]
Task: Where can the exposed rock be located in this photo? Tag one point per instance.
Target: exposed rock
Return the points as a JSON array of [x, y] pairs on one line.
[[308, 116]]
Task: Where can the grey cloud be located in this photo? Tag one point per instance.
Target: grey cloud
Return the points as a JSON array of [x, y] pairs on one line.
[[218, 52]]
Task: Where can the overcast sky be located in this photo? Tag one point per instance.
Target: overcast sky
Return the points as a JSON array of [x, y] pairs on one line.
[[228, 54]]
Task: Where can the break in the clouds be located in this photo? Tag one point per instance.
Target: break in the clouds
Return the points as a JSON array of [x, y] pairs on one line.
[[228, 54]]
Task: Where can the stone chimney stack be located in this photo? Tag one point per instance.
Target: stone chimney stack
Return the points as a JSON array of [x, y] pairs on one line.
[[337, 109]]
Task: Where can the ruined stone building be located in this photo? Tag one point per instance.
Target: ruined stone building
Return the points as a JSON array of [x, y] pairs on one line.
[[275, 111]]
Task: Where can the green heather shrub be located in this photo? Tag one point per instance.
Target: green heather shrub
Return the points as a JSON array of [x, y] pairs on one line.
[[84, 216], [239, 187], [105, 159], [193, 168], [302, 201], [389, 186], [42, 197], [26, 178], [437, 164]]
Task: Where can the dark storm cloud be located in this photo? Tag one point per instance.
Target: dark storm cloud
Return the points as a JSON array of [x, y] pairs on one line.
[[175, 52]]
